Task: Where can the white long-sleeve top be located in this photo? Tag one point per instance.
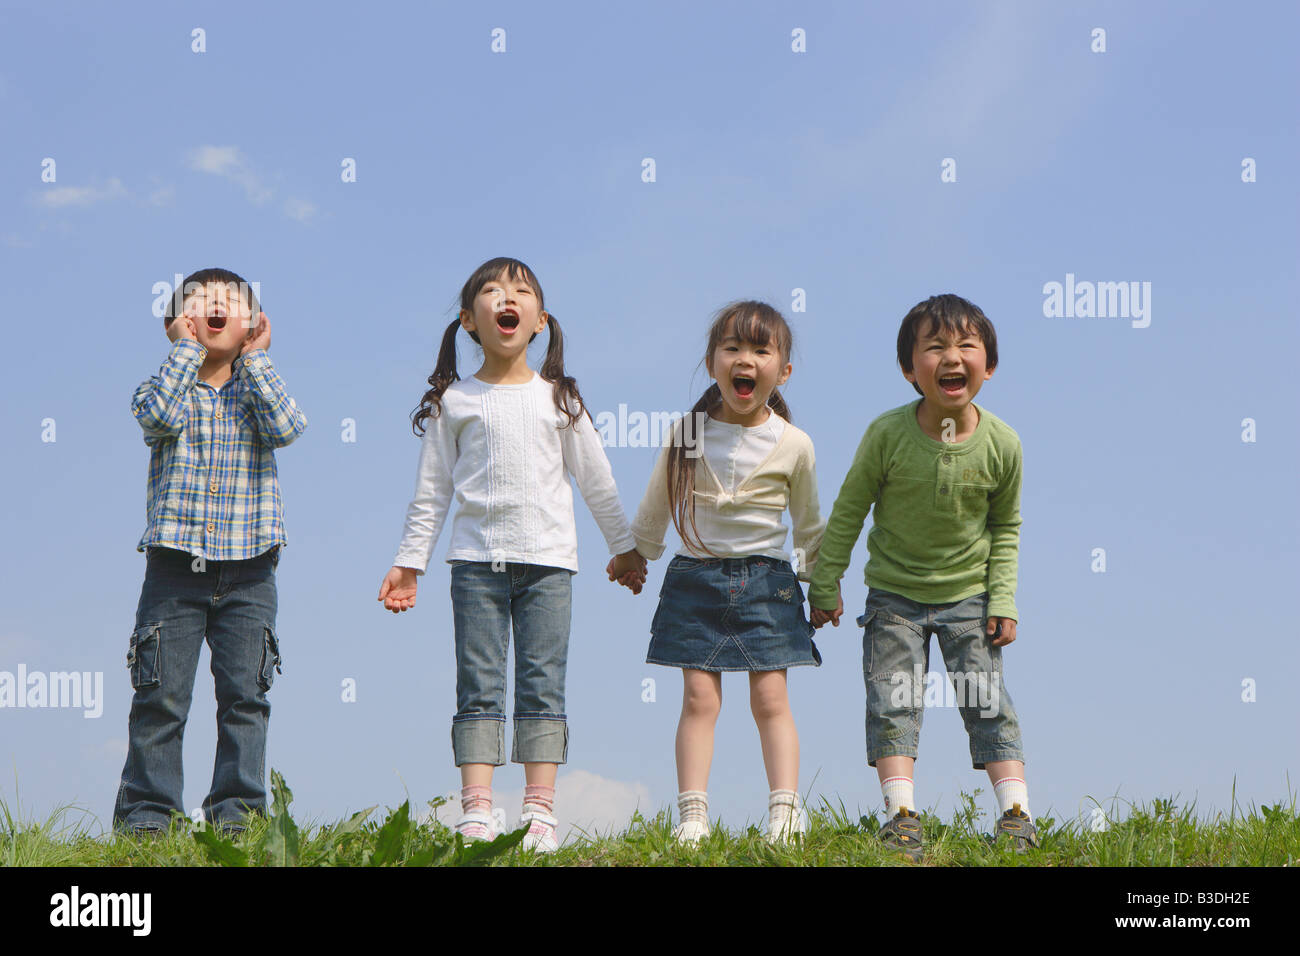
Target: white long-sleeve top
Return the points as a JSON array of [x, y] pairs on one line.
[[500, 450], [745, 479]]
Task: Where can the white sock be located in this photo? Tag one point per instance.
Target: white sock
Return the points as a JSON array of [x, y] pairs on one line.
[[1010, 791], [777, 798], [693, 805], [898, 794]]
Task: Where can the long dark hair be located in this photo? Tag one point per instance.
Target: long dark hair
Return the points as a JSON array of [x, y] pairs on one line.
[[565, 388], [756, 323]]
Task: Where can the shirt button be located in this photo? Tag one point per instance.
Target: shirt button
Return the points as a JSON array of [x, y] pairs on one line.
[[211, 527], [213, 487], [943, 490], [219, 415], [947, 459]]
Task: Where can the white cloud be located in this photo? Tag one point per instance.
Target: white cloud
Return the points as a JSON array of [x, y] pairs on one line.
[[113, 749], [299, 209], [59, 197], [229, 163], [585, 803]]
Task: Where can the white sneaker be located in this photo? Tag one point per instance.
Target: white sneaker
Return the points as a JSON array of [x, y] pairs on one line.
[[540, 837], [477, 825], [785, 817], [691, 832]]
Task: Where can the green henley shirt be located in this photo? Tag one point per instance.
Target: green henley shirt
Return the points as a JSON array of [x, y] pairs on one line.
[[946, 524]]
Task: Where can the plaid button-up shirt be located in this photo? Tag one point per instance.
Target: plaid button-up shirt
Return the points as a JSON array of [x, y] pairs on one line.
[[213, 490]]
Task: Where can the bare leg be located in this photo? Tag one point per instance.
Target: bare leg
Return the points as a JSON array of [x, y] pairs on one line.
[[897, 767], [476, 774], [769, 702], [701, 704], [542, 774]]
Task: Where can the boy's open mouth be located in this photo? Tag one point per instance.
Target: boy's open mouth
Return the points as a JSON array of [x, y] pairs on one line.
[[952, 384], [216, 323], [744, 386]]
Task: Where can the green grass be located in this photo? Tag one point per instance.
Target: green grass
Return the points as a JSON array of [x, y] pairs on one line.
[[1158, 834]]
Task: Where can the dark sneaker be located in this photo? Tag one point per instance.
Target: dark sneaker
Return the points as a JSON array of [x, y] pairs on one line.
[[903, 833], [1015, 823]]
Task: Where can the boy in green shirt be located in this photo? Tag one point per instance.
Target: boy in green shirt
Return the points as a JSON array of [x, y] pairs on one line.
[[944, 477]]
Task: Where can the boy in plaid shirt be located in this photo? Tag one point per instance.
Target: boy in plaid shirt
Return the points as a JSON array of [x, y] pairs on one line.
[[212, 418]]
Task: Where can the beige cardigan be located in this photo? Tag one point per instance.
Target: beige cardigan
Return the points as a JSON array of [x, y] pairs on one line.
[[786, 478]]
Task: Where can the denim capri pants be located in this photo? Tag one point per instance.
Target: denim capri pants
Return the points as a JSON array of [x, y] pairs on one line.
[[896, 659], [489, 600], [731, 614]]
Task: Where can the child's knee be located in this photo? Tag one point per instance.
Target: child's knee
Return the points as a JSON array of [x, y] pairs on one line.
[[700, 699], [768, 699]]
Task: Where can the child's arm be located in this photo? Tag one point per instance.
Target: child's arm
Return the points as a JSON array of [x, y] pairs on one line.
[[1004, 550], [584, 458], [276, 416], [654, 515], [162, 404], [805, 514], [425, 514], [433, 490], [855, 499]]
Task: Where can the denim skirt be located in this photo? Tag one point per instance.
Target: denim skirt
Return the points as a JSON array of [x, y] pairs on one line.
[[731, 614]]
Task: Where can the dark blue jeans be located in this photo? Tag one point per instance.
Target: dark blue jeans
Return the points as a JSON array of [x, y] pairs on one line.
[[232, 605]]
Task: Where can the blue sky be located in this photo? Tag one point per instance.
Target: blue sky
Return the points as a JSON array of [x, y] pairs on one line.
[[774, 171]]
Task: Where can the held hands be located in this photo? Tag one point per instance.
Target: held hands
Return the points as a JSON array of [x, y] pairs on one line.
[[398, 590], [261, 337], [820, 617], [1008, 630], [629, 569]]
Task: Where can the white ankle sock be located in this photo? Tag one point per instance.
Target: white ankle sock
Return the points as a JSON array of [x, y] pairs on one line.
[[789, 798], [1010, 791], [898, 794], [693, 805]]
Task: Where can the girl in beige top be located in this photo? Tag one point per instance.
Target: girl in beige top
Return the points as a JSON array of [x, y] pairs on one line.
[[731, 598]]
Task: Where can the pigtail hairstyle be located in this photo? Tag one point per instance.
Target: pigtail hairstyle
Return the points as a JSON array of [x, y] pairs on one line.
[[444, 374], [565, 388], [754, 322]]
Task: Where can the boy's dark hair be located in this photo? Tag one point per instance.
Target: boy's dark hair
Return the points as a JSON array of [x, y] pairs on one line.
[[945, 313], [758, 324], [201, 278], [565, 388]]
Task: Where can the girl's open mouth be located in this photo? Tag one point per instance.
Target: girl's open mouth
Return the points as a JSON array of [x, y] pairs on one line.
[[744, 386], [952, 384], [507, 322]]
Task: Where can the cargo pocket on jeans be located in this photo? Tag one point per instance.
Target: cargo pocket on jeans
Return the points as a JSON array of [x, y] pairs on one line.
[[864, 622], [270, 665], [142, 657]]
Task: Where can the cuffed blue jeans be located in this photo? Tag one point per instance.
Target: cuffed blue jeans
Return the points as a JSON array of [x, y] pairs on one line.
[[486, 603]]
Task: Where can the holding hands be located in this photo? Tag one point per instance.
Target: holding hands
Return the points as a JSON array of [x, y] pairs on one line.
[[820, 617], [629, 569]]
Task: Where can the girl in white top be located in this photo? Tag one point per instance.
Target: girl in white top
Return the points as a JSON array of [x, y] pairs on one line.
[[503, 443], [731, 599]]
